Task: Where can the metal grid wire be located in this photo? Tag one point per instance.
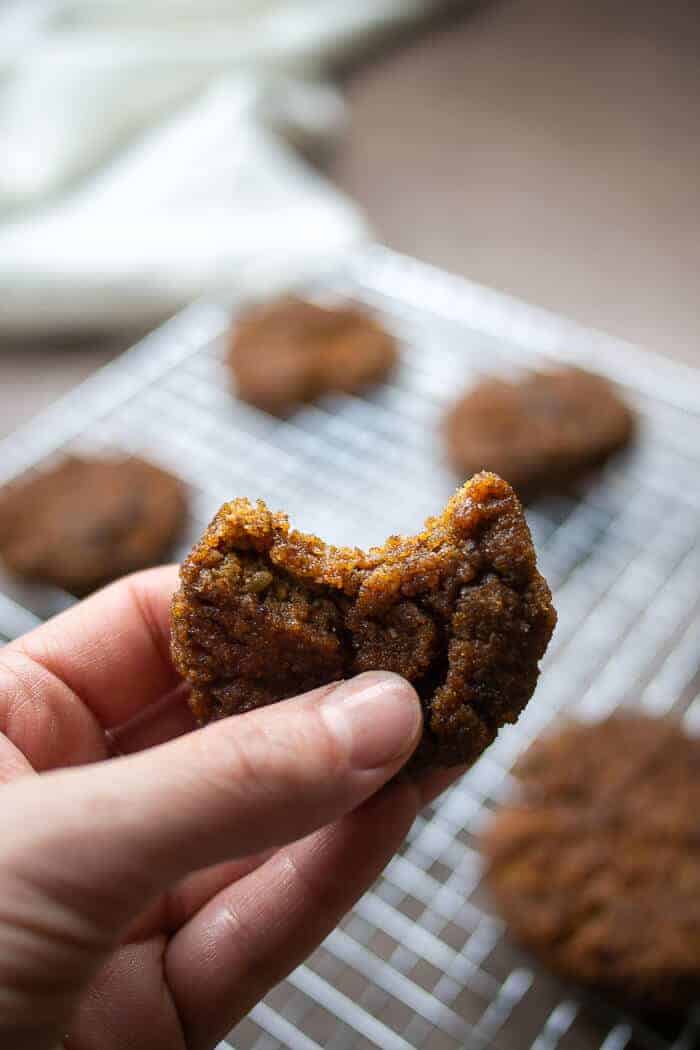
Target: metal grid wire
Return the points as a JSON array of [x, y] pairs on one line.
[[422, 961]]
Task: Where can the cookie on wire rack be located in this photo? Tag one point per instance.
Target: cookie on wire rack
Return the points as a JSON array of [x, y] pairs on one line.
[[541, 432], [596, 865], [86, 521]]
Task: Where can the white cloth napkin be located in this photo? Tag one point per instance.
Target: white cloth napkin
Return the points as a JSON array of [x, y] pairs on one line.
[[146, 151]]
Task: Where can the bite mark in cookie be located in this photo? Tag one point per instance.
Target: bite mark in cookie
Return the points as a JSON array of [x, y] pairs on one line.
[[264, 613]]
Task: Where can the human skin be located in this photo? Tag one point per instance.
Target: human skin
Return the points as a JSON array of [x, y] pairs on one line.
[[154, 885]]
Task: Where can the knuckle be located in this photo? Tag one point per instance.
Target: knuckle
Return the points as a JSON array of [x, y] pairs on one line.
[[325, 894], [271, 752], [26, 690]]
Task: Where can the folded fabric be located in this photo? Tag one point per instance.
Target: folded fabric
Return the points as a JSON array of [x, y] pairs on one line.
[[147, 151], [212, 202]]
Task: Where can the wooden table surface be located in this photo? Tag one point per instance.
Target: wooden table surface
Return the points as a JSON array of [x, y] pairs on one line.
[[551, 150]]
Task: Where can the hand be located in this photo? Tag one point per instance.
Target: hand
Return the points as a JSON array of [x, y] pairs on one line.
[[154, 886]]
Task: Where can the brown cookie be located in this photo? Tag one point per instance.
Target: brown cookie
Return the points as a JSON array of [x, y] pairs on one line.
[[87, 521], [597, 867], [541, 432], [293, 351], [264, 613]]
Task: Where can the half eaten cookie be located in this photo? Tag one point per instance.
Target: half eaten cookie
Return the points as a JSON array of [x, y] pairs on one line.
[[264, 613]]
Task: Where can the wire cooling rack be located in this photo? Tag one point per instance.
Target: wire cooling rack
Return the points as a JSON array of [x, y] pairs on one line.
[[422, 960]]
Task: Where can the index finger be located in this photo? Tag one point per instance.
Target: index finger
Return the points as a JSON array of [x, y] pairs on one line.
[[111, 650]]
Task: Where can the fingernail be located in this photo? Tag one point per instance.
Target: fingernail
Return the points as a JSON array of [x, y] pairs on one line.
[[377, 717]]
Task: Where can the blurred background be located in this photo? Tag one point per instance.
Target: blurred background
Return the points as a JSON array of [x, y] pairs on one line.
[[154, 151]]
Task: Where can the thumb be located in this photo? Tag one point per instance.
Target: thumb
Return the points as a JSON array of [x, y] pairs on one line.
[[83, 851]]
